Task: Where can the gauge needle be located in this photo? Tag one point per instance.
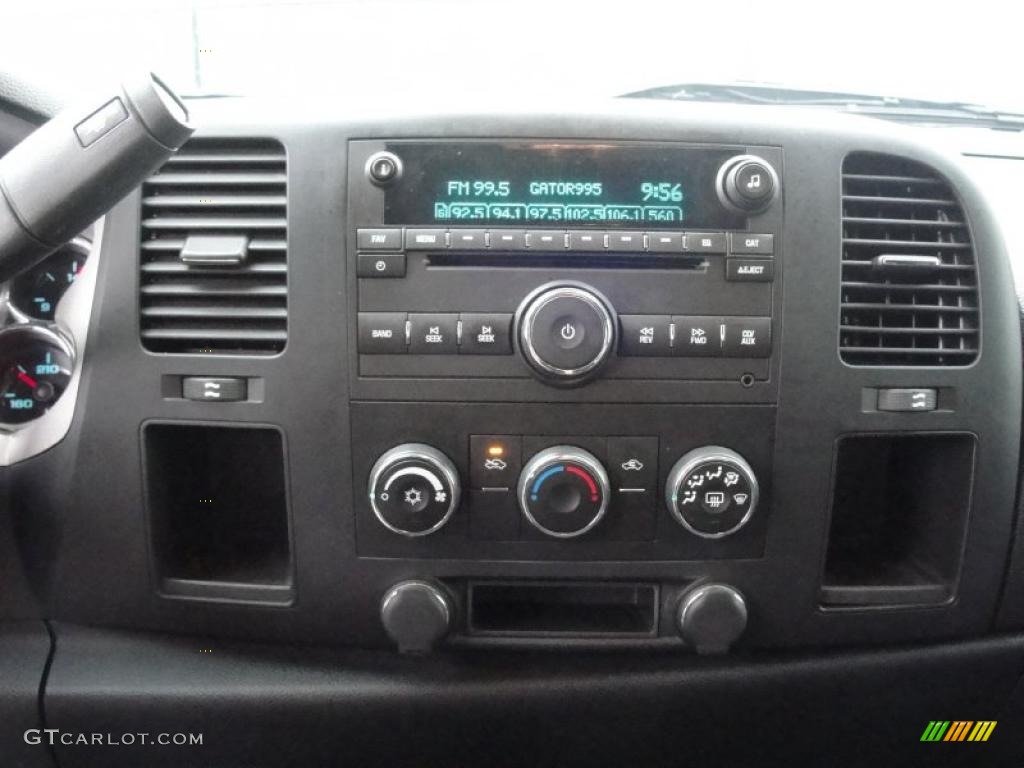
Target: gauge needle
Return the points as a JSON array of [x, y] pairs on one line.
[[24, 377]]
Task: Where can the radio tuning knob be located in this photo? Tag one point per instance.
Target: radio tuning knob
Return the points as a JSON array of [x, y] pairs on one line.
[[414, 489], [747, 184], [565, 332]]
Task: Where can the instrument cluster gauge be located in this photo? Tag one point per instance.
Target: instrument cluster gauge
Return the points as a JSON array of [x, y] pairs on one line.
[[35, 368], [37, 292]]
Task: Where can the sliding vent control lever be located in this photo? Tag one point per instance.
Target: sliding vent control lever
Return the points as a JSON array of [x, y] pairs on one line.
[[77, 166]]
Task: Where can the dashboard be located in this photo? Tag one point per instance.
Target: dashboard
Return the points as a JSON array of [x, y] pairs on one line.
[[640, 378]]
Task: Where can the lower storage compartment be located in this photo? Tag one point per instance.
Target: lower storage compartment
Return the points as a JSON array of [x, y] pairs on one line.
[[563, 609]]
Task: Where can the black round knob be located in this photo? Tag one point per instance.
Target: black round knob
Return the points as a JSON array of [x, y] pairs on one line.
[[384, 168], [747, 184], [566, 332], [563, 491], [711, 617], [712, 492], [414, 489], [416, 615]]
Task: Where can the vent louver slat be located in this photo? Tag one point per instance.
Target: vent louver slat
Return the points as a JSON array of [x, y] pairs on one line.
[[216, 187], [909, 277]]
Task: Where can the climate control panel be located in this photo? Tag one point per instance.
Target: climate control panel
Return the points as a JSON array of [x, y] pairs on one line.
[[669, 493]]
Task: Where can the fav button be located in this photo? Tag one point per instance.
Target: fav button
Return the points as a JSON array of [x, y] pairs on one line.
[[379, 239], [433, 334]]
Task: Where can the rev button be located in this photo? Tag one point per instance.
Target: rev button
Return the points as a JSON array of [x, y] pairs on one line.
[[645, 335]]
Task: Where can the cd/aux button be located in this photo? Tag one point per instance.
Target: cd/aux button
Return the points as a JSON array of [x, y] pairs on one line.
[[747, 336]]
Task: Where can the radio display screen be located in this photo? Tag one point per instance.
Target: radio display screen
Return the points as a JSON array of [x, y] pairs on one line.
[[560, 184]]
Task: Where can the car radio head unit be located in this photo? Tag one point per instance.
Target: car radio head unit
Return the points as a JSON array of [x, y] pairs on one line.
[[545, 183], [569, 262]]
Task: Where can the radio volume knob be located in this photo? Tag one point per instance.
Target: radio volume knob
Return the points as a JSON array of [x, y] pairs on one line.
[[747, 184], [566, 332], [414, 489]]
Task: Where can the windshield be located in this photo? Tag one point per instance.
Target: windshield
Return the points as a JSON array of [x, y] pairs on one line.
[[447, 50]]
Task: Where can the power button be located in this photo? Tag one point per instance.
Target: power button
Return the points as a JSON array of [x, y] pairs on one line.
[[565, 332], [568, 332]]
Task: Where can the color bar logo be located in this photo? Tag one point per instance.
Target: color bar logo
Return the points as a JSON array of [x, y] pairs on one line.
[[958, 730]]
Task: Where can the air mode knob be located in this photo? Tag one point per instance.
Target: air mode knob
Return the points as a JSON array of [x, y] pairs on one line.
[[414, 489], [712, 492], [747, 184], [563, 491], [566, 332]]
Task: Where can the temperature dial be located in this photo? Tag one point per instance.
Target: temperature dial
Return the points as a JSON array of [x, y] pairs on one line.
[[414, 489], [712, 492], [35, 368], [563, 491]]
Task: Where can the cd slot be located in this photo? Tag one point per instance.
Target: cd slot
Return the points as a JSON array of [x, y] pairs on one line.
[[550, 260]]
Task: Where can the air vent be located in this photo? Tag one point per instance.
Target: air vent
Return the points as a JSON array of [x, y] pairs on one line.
[[226, 199], [909, 281]]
